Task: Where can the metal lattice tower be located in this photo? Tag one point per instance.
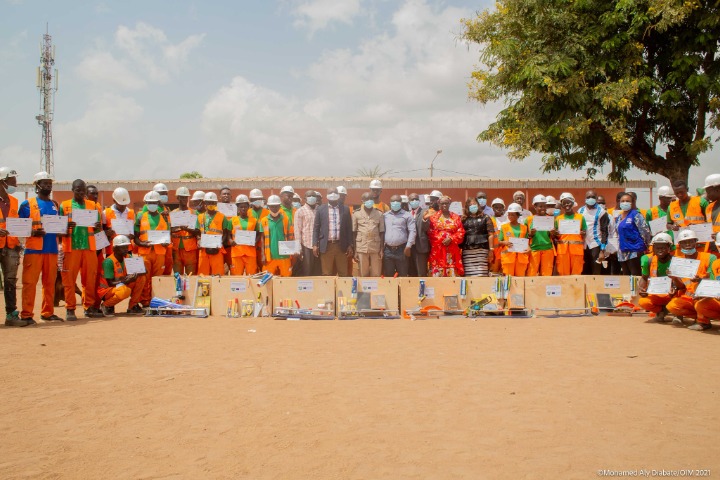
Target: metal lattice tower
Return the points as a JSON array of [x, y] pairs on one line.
[[47, 84]]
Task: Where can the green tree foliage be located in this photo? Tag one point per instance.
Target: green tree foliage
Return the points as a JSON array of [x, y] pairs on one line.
[[595, 82], [193, 174]]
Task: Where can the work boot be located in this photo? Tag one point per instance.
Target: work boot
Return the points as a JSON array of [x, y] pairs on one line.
[[51, 318], [107, 311], [14, 321], [136, 310], [93, 312], [70, 316], [660, 317], [30, 321], [700, 326]]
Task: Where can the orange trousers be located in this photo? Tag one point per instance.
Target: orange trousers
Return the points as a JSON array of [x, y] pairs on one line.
[[168, 265], [244, 265], [568, 264], [542, 262], [185, 262], [133, 291], [654, 303], [279, 267], [154, 266], [515, 269], [707, 309], [211, 264], [100, 259], [496, 266], [34, 265], [83, 262], [684, 306]]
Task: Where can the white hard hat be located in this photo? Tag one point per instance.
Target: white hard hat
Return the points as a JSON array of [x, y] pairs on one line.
[[662, 237], [376, 183], [665, 191], [242, 199], [160, 187], [712, 180], [121, 241], [404, 199], [435, 194], [198, 195], [255, 193], [210, 197], [514, 208], [686, 234], [273, 200], [152, 197], [498, 201], [287, 188], [550, 200], [41, 176], [121, 196], [182, 192], [567, 196], [342, 190], [7, 172], [539, 198]]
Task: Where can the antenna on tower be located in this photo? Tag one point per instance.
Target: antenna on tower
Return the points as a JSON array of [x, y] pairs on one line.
[[47, 84]]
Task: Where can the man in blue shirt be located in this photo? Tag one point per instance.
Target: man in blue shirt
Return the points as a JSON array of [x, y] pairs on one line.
[[400, 232], [41, 252]]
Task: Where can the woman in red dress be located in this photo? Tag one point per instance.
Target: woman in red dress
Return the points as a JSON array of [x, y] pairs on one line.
[[446, 233]]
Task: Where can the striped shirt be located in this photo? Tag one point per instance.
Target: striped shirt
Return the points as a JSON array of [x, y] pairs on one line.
[[333, 223], [303, 223]]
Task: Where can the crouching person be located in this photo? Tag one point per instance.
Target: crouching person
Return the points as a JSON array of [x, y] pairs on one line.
[[115, 284], [652, 266]]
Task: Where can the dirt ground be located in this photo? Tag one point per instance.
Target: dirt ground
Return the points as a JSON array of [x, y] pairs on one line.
[[142, 398]]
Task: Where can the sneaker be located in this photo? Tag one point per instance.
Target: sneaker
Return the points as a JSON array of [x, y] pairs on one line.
[[12, 315], [700, 326], [16, 322], [70, 316], [93, 312], [136, 310], [678, 320], [107, 311], [51, 318]]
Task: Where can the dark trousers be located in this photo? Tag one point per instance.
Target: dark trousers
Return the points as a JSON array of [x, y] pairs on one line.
[[591, 267], [418, 263], [309, 266], [9, 262], [632, 266], [395, 261]]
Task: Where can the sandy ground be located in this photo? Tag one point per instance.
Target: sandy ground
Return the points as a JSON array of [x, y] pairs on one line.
[[141, 398]]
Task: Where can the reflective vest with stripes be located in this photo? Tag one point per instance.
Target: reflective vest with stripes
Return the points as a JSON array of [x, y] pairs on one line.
[[702, 271], [118, 272], [507, 257], [145, 227], [35, 243], [693, 216], [243, 250], [574, 244], [10, 242], [66, 208], [189, 240], [109, 217], [214, 227], [708, 216], [287, 230]]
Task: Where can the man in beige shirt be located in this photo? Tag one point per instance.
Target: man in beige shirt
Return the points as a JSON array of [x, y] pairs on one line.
[[369, 232]]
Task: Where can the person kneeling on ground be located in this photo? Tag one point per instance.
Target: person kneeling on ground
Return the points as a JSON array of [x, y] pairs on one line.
[[709, 308], [115, 284], [652, 266]]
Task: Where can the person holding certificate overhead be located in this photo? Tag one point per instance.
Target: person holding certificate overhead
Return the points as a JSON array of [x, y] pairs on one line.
[[152, 251], [633, 236], [542, 250], [569, 235], [79, 251], [184, 237], [683, 304], [115, 285], [277, 228], [709, 308], [41, 251], [215, 229], [655, 265], [244, 254], [9, 246], [514, 258]]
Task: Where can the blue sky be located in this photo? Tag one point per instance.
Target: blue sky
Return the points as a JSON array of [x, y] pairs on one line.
[[288, 87]]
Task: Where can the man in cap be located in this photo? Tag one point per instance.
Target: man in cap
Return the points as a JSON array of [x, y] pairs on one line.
[[41, 252], [712, 211], [153, 252], [655, 265], [93, 194], [229, 209], [665, 197], [375, 192], [419, 253], [570, 246], [276, 227], [118, 218], [244, 254], [184, 237], [297, 202], [115, 284], [212, 222], [519, 198], [708, 308], [9, 246], [596, 236], [685, 210], [303, 225], [542, 250], [434, 203], [196, 202], [499, 218], [332, 235], [369, 233], [286, 199], [342, 191], [257, 202]]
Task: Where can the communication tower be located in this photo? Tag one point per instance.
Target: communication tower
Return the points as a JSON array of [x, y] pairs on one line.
[[47, 84]]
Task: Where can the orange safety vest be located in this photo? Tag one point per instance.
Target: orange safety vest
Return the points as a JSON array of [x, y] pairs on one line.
[[655, 213], [693, 216], [119, 272], [10, 242], [287, 228], [109, 217], [243, 250], [702, 268], [34, 243], [716, 269], [507, 257], [567, 243], [263, 213], [145, 228], [214, 228], [66, 208], [708, 216], [189, 240]]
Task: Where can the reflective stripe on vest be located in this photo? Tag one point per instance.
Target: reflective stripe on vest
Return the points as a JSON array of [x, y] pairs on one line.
[[694, 213]]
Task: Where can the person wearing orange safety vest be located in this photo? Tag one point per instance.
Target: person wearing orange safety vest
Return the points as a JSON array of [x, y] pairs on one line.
[[115, 284], [375, 192], [665, 197], [79, 254], [685, 210], [683, 304], [257, 202], [513, 262], [184, 238], [499, 218], [93, 194], [570, 246], [542, 250], [212, 222], [152, 251], [244, 255], [712, 211], [709, 308], [9, 246], [276, 227], [118, 211], [654, 265], [41, 252]]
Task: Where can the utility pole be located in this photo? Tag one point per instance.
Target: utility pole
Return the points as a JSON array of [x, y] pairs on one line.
[[47, 84], [433, 161]]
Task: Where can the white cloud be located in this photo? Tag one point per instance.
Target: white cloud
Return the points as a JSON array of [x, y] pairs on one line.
[[102, 68], [316, 15], [24, 161]]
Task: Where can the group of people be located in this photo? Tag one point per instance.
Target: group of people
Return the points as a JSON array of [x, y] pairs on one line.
[[286, 235]]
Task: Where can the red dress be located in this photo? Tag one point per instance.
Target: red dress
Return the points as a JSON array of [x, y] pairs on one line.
[[445, 261]]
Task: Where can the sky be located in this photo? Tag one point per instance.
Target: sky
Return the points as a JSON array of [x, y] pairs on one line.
[[149, 90]]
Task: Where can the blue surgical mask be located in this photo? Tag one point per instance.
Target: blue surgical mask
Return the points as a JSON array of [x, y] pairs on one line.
[[395, 206], [414, 204], [257, 203], [473, 208], [311, 200], [556, 212], [482, 201], [163, 198], [297, 205], [688, 251], [590, 202], [625, 206], [10, 189], [152, 207], [369, 203]]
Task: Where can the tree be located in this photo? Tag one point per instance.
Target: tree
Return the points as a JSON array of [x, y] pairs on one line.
[[595, 82], [375, 172], [190, 175]]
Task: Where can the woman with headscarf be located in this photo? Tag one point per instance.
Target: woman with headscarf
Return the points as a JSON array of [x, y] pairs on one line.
[[479, 233], [446, 233]]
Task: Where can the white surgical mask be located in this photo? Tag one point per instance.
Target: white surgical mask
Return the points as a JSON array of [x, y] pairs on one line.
[[395, 206], [332, 197], [311, 200], [369, 204], [152, 207], [482, 202], [473, 208], [590, 202], [163, 198], [257, 203], [625, 206], [296, 205], [414, 204]]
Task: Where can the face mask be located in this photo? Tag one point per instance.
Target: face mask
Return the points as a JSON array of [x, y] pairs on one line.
[[211, 208], [482, 201], [550, 211], [590, 202], [311, 200], [556, 212], [10, 188], [163, 198], [152, 207], [414, 204], [333, 197], [257, 203], [395, 206], [369, 204], [296, 205], [625, 206], [473, 208], [44, 191], [688, 251]]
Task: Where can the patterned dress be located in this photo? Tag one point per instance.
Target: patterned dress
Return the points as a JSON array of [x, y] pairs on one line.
[[445, 261]]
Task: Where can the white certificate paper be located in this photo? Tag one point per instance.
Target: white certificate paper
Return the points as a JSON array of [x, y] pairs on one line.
[[518, 245], [569, 227], [101, 241], [158, 237], [122, 227], [210, 241], [658, 225], [703, 231], [457, 208], [134, 265], [84, 218], [19, 227], [245, 237], [54, 224], [708, 288], [543, 224], [659, 285], [290, 247], [183, 218], [683, 267], [227, 209]]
